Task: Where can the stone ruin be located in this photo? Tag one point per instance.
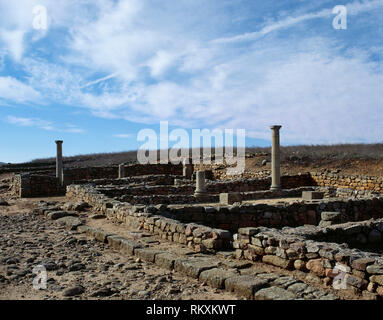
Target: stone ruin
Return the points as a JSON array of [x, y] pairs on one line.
[[325, 225]]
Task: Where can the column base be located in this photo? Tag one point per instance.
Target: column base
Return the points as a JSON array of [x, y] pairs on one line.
[[275, 188]]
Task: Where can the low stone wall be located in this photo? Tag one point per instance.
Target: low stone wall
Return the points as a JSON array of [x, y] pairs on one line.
[[294, 249], [91, 173], [160, 179], [194, 235], [297, 213], [32, 185], [247, 185], [348, 182]]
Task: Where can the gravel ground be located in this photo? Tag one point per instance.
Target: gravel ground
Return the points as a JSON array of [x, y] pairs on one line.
[[81, 269]]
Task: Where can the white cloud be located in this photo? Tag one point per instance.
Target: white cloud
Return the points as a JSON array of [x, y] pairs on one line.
[[128, 60], [30, 122], [42, 124], [15, 90]]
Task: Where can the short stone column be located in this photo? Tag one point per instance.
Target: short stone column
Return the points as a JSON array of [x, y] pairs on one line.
[[121, 171], [59, 161], [275, 159], [187, 170], [200, 183]]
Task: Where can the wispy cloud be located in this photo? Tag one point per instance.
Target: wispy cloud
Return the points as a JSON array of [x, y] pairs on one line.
[[353, 8], [172, 61], [30, 122], [42, 124]]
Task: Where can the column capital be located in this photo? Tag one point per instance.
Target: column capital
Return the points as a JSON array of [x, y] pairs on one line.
[[275, 127], [59, 141]]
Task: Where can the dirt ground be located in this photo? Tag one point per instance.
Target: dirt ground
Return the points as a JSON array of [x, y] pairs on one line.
[[366, 167]]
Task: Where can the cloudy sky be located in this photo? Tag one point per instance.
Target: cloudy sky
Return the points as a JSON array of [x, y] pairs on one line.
[[103, 70]]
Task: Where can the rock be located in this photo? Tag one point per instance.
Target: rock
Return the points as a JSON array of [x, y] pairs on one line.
[[104, 292], [147, 254], [76, 267], [378, 279], [362, 263], [277, 261], [379, 291], [59, 214], [98, 234], [70, 223], [274, 293], [74, 291], [369, 295], [245, 285], [50, 266], [316, 266], [216, 277], [375, 269], [194, 266], [356, 281], [129, 246], [324, 224], [330, 216], [300, 265], [165, 260]]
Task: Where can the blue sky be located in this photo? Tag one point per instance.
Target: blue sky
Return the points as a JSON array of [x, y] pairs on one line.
[[105, 69]]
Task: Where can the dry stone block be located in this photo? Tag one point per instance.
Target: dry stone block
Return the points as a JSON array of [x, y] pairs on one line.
[[330, 216], [245, 285], [216, 277], [277, 261], [274, 293], [71, 223], [194, 266], [312, 195], [165, 260], [361, 264], [147, 254], [229, 198], [375, 269], [316, 266], [129, 246]]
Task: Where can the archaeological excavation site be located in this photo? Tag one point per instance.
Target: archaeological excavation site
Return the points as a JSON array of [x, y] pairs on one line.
[[185, 232]]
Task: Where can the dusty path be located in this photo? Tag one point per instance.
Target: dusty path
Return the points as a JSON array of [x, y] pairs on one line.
[[28, 240], [80, 268]]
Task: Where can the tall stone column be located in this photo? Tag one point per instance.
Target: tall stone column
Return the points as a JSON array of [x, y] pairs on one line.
[[59, 161], [200, 183], [275, 159], [121, 171]]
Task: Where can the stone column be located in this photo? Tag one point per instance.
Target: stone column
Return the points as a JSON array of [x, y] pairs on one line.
[[200, 183], [59, 161], [275, 159], [121, 171], [187, 168]]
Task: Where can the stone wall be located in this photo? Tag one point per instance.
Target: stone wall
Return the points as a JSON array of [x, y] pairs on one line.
[[293, 214], [348, 182], [91, 173], [246, 185], [295, 249], [148, 218], [32, 185]]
